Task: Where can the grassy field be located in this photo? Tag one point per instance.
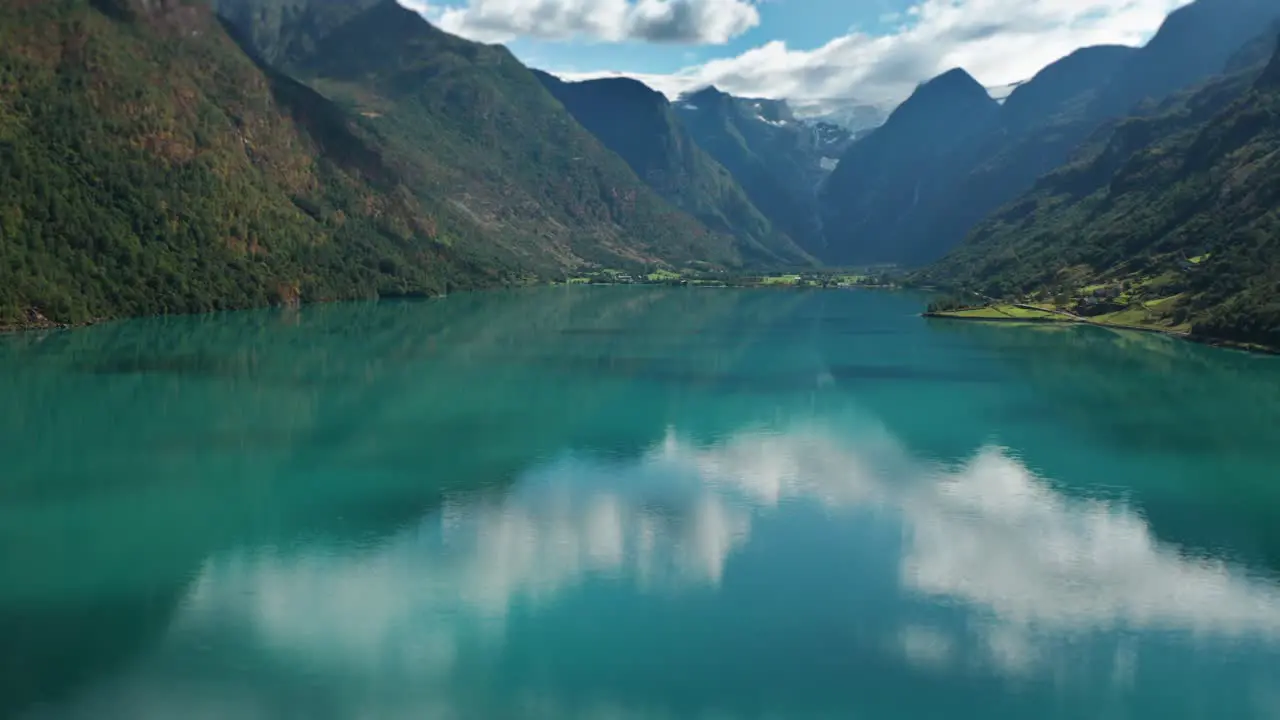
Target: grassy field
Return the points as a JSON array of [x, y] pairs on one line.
[[690, 276], [1001, 312], [1149, 315], [663, 275], [780, 280], [1133, 315], [1155, 314]]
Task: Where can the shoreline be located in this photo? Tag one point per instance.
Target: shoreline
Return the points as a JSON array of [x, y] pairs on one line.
[[43, 324], [46, 325], [1222, 343], [1004, 320]]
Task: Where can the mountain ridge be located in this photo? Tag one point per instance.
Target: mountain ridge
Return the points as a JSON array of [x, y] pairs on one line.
[[883, 178], [922, 213], [480, 131], [201, 192], [153, 165], [639, 124], [777, 159], [317, 149], [1171, 215]]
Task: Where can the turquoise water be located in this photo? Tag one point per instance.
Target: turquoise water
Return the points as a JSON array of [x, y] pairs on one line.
[[621, 503]]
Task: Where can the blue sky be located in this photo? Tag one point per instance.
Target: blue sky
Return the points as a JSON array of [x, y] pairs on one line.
[[807, 51], [803, 24]]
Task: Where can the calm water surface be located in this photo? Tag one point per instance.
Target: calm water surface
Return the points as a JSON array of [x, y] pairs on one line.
[[608, 504]]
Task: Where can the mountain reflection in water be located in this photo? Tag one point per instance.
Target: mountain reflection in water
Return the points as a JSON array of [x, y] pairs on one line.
[[994, 572], [605, 504]]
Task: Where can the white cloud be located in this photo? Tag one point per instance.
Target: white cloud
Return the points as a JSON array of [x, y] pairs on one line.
[[997, 41], [657, 21]]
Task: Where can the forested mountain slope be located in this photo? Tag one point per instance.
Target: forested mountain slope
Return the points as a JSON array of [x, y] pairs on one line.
[[470, 126], [148, 164], [284, 31], [1174, 215]]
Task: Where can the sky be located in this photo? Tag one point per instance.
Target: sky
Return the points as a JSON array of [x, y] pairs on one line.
[[875, 51]]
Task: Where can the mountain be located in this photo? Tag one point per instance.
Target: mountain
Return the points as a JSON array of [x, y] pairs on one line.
[[1256, 51], [473, 128], [1192, 45], [283, 31], [1173, 215], [1051, 92], [930, 191], [1039, 126], [639, 124], [778, 159], [872, 203], [147, 165]]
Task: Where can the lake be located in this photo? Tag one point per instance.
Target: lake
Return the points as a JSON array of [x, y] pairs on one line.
[[635, 503]]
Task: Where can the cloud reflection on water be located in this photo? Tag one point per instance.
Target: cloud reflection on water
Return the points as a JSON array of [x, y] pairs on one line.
[[988, 534], [1034, 567], [463, 568], [992, 533], [1030, 567]]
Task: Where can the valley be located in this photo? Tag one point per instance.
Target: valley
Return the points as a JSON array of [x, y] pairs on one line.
[[300, 151]]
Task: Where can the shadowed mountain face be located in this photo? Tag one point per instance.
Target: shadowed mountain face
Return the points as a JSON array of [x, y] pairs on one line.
[[1194, 43], [905, 195], [284, 31], [640, 126], [1057, 89], [880, 193], [777, 159], [1255, 52]]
